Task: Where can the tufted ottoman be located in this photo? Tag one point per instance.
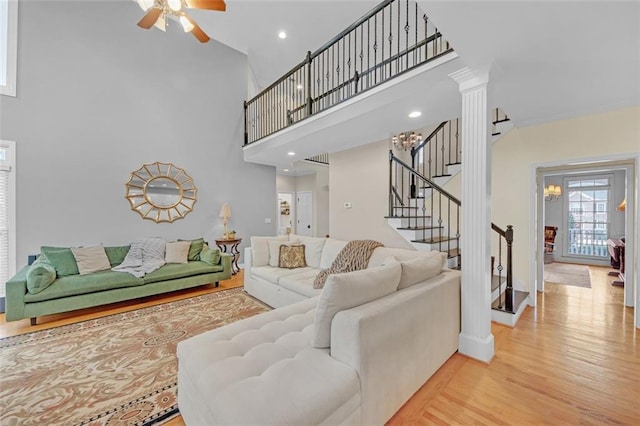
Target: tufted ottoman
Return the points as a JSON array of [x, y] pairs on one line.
[[263, 370]]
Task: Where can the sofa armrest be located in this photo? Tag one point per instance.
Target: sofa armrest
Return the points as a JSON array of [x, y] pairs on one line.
[[225, 261], [247, 260], [16, 290], [397, 342]]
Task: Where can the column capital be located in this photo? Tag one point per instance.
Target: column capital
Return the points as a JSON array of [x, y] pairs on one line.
[[469, 79]]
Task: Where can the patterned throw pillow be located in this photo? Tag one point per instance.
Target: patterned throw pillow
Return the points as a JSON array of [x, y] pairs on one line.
[[291, 257]]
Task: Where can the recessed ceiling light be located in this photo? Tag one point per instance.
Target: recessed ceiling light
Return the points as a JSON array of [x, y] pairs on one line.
[[291, 153], [285, 170], [282, 34], [415, 114], [299, 87]]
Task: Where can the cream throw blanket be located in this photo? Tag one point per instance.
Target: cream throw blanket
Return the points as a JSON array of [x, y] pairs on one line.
[[353, 257], [145, 255]]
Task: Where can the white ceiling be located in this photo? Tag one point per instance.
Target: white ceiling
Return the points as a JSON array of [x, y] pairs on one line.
[[547, 60]]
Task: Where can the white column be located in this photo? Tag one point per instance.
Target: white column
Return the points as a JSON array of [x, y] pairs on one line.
[[475, 338]]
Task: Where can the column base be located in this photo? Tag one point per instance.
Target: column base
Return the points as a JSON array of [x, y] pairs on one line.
[[474, 347]]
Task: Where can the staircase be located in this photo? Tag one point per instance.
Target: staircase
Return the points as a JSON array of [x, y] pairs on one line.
[[424, 213]]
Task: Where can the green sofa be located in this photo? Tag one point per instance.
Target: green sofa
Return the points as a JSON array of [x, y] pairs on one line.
[[68, 293]]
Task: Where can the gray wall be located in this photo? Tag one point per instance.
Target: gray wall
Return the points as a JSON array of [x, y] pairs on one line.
[[97, 98]]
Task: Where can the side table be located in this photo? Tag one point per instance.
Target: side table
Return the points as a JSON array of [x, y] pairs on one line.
[[233, 249]]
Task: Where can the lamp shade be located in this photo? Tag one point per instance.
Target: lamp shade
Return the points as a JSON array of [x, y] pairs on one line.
[[225, 211]]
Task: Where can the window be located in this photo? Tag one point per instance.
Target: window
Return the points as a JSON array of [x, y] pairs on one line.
[[7, 213], [8, 46], [587, 216]]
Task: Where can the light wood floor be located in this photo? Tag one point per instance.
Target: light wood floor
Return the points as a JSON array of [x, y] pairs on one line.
[[576, 360]]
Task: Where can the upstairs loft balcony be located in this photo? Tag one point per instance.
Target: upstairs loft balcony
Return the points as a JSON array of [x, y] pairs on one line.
[[375, 65]]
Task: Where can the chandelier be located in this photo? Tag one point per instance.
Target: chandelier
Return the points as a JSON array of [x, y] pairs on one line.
[[406, 140]]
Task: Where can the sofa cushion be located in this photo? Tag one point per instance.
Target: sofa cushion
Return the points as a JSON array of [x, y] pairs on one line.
[[91, 259], [116, 254], [345, 291], [421, 268], [260, 249], [301, 283], [262, 370], [41, 274], [291, 256], [73, 285], [62, 259], [172, 271], [312, 250], [209, 256], [273, 274], [177, 252], [274, 249], [381, 253], [195, 248], [330, 252]]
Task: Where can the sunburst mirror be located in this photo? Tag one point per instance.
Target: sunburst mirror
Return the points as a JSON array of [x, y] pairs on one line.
[[161, 192]]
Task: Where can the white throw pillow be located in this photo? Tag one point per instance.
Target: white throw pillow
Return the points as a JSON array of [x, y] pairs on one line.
[[421, 268], [274, 249], [260, 249], [345, 291], [313, 250], [177, 252], [330, 252], [91, 259]]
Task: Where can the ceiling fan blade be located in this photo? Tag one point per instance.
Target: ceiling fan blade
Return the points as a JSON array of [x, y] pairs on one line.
[[199, 34], [150, 18], [207, 4], [197, 31]]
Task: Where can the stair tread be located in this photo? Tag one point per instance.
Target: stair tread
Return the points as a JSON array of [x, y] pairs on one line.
[[434, 240], [404, 207], [518, 299], [495, 280], [407, 217], [437, 176], [453, 164], [419, 228], [453, 253]]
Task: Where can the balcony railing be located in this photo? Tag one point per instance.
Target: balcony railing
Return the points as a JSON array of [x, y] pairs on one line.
[[393, 38]]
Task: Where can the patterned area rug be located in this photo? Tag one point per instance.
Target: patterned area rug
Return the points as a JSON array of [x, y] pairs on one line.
[[567, 274], [116, 370]]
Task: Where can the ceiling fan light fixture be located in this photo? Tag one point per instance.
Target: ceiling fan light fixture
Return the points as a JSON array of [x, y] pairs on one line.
[[186, 25], [175, 5]]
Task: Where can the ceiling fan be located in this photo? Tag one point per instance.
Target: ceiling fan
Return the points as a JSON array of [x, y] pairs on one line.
[[159, 10]]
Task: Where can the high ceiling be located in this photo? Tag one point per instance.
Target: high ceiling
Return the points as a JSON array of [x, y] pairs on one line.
[[547, 60]]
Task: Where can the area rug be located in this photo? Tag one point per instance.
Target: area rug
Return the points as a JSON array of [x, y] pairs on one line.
[[567, 274], [116, 370]]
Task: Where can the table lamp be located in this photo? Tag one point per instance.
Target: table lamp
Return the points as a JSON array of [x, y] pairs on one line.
[[225, 213]]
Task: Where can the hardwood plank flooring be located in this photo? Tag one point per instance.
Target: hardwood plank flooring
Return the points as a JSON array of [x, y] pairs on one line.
[[574, 360]]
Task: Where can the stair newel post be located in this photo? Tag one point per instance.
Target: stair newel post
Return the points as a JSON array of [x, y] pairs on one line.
[[413, 167], [390, 183], [509, 290], [309, 98], [246, 134]]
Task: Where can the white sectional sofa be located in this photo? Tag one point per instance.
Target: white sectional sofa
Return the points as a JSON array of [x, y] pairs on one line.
[[280, 287], [351, 353]]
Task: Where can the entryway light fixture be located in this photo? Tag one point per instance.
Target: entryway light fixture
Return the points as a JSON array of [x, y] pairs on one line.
[[406, 140], [415, 114], [552, 192]]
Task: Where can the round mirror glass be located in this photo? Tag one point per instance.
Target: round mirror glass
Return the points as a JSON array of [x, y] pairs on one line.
[[161, 192]]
